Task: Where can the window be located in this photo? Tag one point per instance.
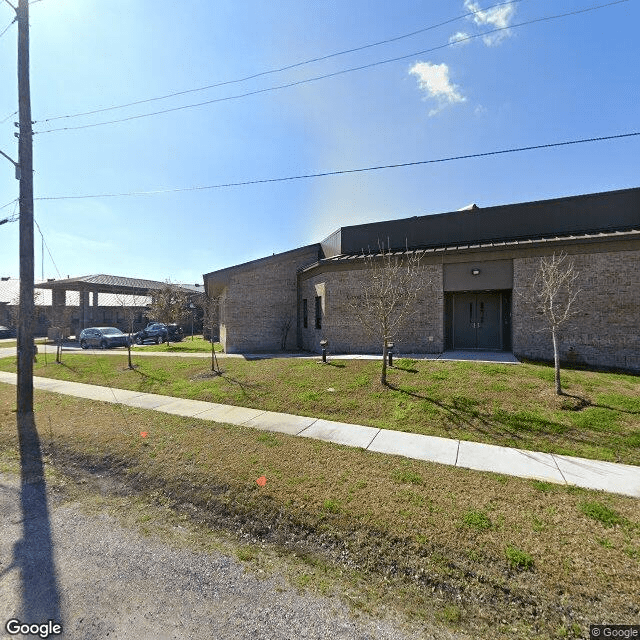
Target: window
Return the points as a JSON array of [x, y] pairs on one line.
[[305, 313], [318, 312]]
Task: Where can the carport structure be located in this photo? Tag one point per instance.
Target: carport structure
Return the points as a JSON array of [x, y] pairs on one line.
[[105, 299]]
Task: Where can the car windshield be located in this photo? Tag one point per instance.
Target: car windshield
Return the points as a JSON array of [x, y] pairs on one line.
[[111, 331]]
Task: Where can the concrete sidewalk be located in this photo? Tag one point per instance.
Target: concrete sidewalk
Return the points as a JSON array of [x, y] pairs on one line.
[[591, 474], [500, 357]]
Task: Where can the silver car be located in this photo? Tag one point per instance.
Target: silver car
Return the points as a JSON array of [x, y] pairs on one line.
[[103, 338]]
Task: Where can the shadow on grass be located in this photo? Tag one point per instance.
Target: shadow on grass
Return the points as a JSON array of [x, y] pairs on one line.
[[407, 369], [243, 385], [585, 403], [66, 366], [33, 553], [520, 427]]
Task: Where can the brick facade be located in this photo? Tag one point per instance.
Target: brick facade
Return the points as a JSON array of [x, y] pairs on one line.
[[601, 232], [605, 329], [421, 333], [258, 300]]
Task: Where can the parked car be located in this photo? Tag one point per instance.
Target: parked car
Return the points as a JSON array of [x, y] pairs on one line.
[[159, 332], [103, 337], [6, 332]]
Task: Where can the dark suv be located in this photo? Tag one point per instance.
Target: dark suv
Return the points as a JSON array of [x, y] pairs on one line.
[[158, 332]]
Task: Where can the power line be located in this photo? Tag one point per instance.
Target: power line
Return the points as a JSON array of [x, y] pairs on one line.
[[45, 242], [4, 206], [7, 27], [348, 171], [9, 116], [13, 217], [335, 73], [280, 69]]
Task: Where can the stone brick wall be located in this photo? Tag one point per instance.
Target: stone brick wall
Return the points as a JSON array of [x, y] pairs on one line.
[[422, 333], [259, 300], [605, 330]]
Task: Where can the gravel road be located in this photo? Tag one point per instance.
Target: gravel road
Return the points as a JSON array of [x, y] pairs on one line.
[[100, 580]]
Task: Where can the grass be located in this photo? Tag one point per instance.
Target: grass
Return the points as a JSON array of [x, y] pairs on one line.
[[509, 405], [187, 345], [602, 513], [6, 344], [493, 556]]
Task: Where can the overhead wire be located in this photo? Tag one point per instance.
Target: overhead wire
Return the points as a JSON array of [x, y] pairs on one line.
[[337, 172], [13, 217], [8, 27], [287, 67], [336, 73], [4, 206], [9, 116], [47, 247]]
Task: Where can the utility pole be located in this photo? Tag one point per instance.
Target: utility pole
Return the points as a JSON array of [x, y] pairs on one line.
[[26, 347]]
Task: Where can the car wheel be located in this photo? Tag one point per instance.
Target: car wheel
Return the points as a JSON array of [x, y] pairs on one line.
[[160, 339], [103, 345], [83, 344], [138, 340]]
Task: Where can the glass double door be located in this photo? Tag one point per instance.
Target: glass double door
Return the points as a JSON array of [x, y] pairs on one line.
[[476, 320]]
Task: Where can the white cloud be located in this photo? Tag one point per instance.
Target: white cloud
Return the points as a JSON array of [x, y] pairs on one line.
[[460, 37], [434, 80], [496, 18]]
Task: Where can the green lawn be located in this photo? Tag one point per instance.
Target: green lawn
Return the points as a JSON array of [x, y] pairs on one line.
[[197, 345], [486, 555], [510, 405]]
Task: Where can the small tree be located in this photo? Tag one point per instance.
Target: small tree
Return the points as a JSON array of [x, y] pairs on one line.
[[169, 304], [389, 289], [59, 320], [210, 319], [285, 326], [131, 305], [555, 290]]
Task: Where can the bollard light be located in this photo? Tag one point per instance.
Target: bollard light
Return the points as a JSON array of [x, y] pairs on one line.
[[324, 344], [390, 353]]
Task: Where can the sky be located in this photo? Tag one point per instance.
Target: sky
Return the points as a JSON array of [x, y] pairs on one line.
[[470, 79]]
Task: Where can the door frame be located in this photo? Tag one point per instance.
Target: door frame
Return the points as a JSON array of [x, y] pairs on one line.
[[504, 322]]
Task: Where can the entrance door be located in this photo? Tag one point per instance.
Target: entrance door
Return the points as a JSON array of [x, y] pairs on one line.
[[476, 321]]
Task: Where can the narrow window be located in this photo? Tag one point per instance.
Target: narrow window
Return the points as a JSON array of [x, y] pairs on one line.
[[305, 314], [318, 312]]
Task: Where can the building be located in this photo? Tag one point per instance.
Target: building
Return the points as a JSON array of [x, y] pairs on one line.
[[93, 300], [478, 264]]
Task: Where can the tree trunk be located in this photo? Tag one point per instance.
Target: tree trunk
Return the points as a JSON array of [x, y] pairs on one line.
[[212, 356], [556, 362], [383, 374], [59, 350]]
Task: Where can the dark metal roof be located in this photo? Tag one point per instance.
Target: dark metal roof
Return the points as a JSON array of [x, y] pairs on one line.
[[498, 244], [112, 284], [589, 213]]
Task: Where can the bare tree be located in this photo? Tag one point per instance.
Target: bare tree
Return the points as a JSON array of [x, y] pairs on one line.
[[169, 304], [390, 285], [131, 305], [210, 321], [555, 290], [59, 320], [285, 326]]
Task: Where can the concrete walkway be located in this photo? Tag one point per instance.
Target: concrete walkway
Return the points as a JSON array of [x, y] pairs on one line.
[[501, 357], [591, 474]]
